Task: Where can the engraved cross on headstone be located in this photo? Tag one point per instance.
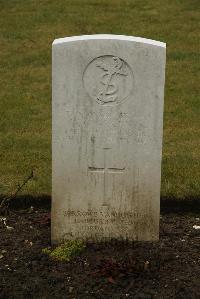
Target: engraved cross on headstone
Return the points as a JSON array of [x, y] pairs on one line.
[[106, 171]]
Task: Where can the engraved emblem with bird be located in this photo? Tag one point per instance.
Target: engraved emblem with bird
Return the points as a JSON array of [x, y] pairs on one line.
[[109, 90], [108, 79]]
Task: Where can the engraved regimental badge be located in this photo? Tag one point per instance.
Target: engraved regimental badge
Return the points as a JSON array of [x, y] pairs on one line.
[[108, 79]]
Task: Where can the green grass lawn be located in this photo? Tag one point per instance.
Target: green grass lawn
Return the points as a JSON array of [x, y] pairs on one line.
[[27, 29]]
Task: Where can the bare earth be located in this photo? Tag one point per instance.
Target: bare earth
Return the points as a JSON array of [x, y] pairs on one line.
[[169, 268]]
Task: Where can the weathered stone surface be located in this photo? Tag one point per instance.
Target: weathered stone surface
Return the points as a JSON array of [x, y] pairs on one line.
[[108, 96]]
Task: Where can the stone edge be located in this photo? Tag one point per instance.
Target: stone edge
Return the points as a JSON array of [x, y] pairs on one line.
[[109, 37]]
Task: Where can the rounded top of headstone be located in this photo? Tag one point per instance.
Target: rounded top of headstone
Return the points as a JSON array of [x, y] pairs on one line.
[[109, 37]]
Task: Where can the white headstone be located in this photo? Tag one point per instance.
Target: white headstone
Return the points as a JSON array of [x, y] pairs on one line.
[[108, 93]]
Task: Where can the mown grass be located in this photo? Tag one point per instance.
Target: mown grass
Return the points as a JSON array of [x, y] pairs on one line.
[[27, 29]]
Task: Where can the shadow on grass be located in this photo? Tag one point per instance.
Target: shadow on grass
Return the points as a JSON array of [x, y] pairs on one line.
[[27, 200], [167, 205], [177, 205]]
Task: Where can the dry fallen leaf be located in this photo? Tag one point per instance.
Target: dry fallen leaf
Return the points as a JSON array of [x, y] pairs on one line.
[[111, 280], [196, 226], [9, 227], [146, 265]]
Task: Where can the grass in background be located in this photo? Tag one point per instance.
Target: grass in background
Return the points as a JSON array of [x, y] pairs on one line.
[[27, 29]]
